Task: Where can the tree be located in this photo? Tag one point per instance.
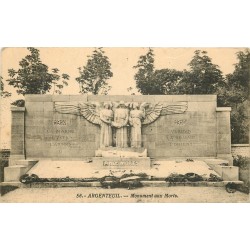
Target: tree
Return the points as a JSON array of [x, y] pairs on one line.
[[235, 94], [240, 123], [3, 93], [57, 86], [240, 78], [33, 76], [94, 76], [203, 77], [131, 90], [145, 74], [167, 81]]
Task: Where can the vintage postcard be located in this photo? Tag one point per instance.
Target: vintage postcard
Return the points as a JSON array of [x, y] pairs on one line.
[[124, 125]]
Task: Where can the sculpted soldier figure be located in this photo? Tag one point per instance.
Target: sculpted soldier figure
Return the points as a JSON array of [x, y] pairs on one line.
[[106, 117], [121, 122], [136, 116]]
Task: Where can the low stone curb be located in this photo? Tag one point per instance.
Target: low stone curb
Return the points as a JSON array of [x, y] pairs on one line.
[[98, 184]]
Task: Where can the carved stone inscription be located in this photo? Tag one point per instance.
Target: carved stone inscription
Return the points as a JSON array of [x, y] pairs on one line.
[[174, 133], [68, 136], [120, 163], [60, 122], [181, 137], [188, 134], [60, 132]]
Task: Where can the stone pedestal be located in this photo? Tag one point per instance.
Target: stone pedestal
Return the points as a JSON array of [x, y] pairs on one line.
[[17, 163], [224, 134], [13, 173], [228, 173], [19, 168], [17, 135]]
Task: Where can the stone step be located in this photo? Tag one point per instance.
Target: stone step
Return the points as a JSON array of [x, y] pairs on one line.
[[98, 184], [22, 161], [28, 163], [228, 173], [214, 162], [13, 173]]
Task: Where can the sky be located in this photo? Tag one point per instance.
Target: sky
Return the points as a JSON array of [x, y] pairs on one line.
[[68, 60]]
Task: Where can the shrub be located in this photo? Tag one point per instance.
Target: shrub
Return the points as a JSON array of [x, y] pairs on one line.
[[241, 161]]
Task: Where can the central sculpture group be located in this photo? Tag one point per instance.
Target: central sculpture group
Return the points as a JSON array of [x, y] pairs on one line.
[[123, 118]]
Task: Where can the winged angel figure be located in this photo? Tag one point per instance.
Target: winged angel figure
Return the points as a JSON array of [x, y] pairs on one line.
[[120, 115]]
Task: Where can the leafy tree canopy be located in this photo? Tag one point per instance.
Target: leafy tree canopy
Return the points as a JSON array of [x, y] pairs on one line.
[[235, 93], [240, 78], [167, 81], [204, 77], [33, 77], [236, 85], [144, 76], [95, 75], [240, 123]]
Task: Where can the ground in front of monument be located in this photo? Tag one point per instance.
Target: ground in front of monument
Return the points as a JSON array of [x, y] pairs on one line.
[[154, 189], [172, 194]]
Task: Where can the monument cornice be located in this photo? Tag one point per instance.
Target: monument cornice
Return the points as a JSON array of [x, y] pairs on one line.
[[223, 109], [20, 109]]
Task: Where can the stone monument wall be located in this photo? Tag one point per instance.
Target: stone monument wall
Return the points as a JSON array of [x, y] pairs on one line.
[[202, 130]]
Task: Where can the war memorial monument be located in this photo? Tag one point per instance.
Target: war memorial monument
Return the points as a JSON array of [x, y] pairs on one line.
[[77, 140]]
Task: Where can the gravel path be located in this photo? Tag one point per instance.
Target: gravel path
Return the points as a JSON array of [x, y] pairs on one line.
[[145, 194]]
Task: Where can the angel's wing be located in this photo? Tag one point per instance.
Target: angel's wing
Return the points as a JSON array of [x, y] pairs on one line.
[[66, 108], [176, 108], [89, 111], [152, 112]]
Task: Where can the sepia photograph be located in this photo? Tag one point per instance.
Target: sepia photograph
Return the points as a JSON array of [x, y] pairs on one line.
[[124, 125]]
